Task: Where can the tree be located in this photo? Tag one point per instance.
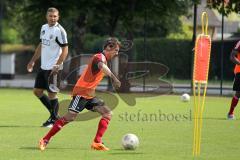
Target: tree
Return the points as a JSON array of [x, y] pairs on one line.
[[129, 16], [229, 6], [123, 18], [9, 31]]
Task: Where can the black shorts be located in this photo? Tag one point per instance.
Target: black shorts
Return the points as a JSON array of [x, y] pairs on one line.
[[43, 79], [78, 103], [236, 83]]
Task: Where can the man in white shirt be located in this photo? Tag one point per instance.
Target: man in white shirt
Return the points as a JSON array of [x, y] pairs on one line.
[[53, 50]]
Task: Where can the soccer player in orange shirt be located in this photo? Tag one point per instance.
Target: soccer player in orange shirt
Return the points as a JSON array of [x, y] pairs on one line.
[[84, 95], [235, 58]]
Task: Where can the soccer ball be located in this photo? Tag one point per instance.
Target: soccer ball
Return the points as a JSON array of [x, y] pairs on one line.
[[185, 97], [130, 141]]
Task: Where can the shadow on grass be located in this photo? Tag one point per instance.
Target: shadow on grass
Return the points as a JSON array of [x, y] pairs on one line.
[[50, 148], [29, 148], [18, 126], [125, 152], [214, 118]]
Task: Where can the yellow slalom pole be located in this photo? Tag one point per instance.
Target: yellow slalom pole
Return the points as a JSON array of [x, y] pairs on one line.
[[195, 120], [204, 25], [200, 117], [200, 79]]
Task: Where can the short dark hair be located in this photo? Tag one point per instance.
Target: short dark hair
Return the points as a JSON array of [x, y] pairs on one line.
[[112, 42]]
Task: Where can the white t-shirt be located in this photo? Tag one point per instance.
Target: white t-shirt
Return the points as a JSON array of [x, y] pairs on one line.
[[52, 39]]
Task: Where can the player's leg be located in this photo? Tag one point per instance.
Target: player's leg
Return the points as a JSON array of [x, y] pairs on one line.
[[233, 105], [52, 92], [106, 114], [234, 102], [39, 87], [54, 104], [54, 107], [58, 125], [103, 123], [68, 117], [53, 100], [77, 105]]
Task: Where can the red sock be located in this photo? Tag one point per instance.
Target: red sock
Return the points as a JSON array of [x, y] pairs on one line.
[[102, 127], [233, 105], [56, 128]]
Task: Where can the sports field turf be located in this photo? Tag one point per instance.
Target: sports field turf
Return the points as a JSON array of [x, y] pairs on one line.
[[21, 114]]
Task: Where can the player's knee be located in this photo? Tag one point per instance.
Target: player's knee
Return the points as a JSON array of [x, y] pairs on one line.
[[52, 95], [101, 103], [108, 115], [37, 93], [70, 119], [237, 94]]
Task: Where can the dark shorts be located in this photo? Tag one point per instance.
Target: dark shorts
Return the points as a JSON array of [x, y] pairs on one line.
[[78, 103], [43, 80], [236, 83]]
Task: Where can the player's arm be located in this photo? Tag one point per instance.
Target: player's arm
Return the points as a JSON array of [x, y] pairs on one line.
[[108, 72], [233, 57], [36, 55], [63, 55], [61, 40], [61, 58]]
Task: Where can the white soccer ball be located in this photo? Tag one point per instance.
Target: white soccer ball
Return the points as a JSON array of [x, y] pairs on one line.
[[185, 97], [130, 141]]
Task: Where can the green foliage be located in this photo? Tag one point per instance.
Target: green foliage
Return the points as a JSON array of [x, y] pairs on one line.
[[176, 54], [169, 52], [225, 8], [10, 34], [186, 33], [93, 43], [126, 19]]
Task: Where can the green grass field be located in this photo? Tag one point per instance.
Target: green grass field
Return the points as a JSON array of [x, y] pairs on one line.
[[21, 114]]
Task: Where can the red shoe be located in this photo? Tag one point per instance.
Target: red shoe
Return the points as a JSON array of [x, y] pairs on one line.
[[42, 144], [99, 147]]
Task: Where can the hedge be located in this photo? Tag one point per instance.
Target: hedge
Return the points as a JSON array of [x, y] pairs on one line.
[[176, 54]]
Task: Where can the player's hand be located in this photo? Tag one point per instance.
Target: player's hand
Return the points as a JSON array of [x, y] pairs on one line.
[[30, 66], [55, 69], [116, 83]]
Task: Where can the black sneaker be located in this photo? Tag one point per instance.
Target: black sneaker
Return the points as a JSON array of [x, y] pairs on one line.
[[49, 123]]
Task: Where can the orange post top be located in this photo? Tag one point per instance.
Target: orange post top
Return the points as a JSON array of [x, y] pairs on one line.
[[202, 58]]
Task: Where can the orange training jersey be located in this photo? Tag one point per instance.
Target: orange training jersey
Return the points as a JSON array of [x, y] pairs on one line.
[[90, 78], [237, 67]]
